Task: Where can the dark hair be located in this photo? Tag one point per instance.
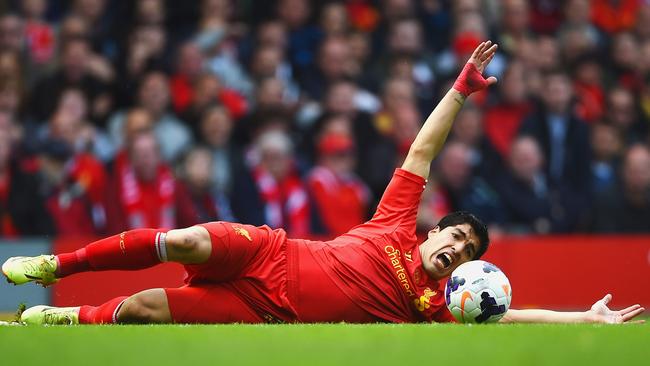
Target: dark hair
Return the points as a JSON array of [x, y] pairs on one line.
[[481, 230]]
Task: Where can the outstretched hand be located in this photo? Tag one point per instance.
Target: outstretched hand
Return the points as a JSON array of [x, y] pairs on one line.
[[471, 79], [601, 313]]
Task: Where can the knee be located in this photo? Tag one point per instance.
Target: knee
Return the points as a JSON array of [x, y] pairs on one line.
[[140, 309], [190, 243]]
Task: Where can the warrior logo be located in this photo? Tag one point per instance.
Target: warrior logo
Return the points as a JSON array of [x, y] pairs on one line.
[[243, 232]]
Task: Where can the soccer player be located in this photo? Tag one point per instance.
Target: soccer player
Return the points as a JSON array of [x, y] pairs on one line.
[[377, 272]]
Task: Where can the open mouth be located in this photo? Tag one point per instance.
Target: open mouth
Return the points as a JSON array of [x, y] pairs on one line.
[[445, 259]]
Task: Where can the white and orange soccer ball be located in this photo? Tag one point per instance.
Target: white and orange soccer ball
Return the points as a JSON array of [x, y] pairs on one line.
[[478, 292]]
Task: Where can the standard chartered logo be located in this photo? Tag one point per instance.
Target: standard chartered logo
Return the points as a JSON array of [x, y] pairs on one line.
[[400, 271], [421, 303]]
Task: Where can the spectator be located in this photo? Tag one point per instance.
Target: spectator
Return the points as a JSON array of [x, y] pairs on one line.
[[12, 29], [302, 36], [73, 72], [564, 140], [642, 24], [514, 25], [144, 192], [22, 212], [191, 85], [153, 96], [9, 125], [150, 12], [216, 38], [502, 120], [625, 60], [216, 132], [577, 34], [137, 121], [397, 92], [563, 137], [622, 114], [271, 192], [270, 95], [230, 73], [340, 198], [71, 27], [407, 125], [607, 145], [205, 90], [614, 16], [334, 19], [547, 56], [188, 68], [39, 35], [589, 88], [208, 202], [269, 62], [146, 49], [468, 129], [626, 208], [377, 151], [10, 96], [360, 48], [100, 24], [461, 190], [69, 123], [405, 49], [333, 63], [272, 33], [67, 198], [524, 189]]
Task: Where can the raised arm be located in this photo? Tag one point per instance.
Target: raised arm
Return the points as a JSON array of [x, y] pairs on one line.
[[433, 133], [599, 313]]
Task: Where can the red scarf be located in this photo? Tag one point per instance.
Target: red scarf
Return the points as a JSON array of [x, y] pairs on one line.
[[138, 213], [7, 228], [341, 201], [285, 203]]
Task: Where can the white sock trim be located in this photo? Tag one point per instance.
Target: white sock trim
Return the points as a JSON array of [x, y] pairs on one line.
[[117, 309], [162, 248], [157, 245]]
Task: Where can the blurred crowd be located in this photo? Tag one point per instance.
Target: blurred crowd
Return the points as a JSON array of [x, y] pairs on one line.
[[117, 115]]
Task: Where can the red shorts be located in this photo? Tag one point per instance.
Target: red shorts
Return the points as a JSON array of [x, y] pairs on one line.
[[209, 304], [244, 280]]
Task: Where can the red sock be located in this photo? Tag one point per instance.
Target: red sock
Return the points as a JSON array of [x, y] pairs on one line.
[[130, 250], [105, 313]]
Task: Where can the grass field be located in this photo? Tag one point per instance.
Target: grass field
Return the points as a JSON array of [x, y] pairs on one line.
[[327, 344]]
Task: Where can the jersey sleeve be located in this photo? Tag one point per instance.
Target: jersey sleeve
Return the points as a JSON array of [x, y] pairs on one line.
[[401, 199], [397, 210]]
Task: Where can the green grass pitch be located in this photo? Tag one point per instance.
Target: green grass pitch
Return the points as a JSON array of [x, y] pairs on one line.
[[327, 344]]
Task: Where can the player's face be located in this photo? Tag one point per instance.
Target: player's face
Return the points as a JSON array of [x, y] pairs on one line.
[[446, 249]]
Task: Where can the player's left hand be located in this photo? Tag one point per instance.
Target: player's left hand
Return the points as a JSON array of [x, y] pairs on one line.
[[601, 313], [471, 79]]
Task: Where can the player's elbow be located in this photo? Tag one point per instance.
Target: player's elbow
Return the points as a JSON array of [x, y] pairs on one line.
[[420, 151], [424, 151]]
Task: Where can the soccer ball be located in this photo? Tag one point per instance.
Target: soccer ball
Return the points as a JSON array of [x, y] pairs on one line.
[[478, 292]]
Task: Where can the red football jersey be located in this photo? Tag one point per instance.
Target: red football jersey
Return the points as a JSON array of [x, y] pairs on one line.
[[377, 265]]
